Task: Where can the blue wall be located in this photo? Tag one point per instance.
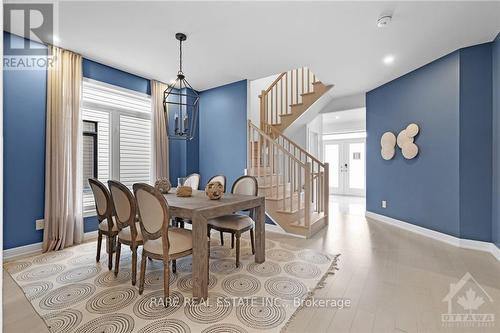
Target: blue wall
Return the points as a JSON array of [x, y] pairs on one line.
[[24, 102], [445, 187], [96, 71], [496, 141], [425, 190], [223, 132], [24, 110], [475, 142]]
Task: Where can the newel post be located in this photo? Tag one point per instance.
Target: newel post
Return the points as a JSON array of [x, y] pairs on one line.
[[326, 189], [263, 117]]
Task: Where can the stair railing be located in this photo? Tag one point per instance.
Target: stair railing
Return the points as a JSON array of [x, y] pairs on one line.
[[319, 170], [286, 90], [290, 181]]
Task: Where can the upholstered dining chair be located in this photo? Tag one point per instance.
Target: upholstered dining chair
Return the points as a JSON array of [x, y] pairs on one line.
[[218, 178], [107, 225], [222, 180], [125, 217], [236, 224], [193, 180], [161, 242]]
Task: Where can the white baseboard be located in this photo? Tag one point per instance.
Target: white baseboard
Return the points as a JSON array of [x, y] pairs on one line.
[[442, 237], [36, 248]]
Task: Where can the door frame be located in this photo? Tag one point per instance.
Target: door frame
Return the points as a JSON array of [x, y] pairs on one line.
[[344, 188]]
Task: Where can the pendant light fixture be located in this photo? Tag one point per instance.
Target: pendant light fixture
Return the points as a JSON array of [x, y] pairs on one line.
[[180, 103]]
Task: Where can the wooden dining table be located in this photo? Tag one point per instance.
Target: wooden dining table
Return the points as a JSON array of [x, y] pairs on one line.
[[199, 209]]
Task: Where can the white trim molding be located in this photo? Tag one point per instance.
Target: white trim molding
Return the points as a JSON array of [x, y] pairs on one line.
[[36, 248], [442, 237]]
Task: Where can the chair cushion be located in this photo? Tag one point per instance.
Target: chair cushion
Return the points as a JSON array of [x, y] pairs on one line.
[[232, 222], [180, 240], [104, 225], [126, 233]]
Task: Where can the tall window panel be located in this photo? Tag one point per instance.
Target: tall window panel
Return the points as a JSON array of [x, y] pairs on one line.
[[118, 121], [135, 150]]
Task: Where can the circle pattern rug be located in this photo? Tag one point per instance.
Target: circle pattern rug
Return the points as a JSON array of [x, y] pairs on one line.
[[73, 293]]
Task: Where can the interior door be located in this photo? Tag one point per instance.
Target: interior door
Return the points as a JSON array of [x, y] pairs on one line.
[[354, 167], [333, 157], [347, 163]]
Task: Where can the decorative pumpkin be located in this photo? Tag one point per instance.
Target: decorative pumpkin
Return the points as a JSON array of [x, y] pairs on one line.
[[214, 190], [184, 191], [163, 185]]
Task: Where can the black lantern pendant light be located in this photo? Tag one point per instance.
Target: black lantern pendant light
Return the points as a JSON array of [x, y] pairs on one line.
[[180, 103]]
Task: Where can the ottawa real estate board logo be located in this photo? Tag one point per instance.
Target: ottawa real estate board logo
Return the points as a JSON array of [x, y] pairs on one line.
[[469, 305], [31, 27]]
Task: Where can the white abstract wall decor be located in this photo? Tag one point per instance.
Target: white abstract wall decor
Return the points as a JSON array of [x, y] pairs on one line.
[[404, 140], [388, 144]]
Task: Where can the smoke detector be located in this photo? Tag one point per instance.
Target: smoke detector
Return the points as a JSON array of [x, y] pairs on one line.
[[384, 20]]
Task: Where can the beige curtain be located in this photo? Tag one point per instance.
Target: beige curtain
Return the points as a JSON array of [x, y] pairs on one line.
[[63, 167], [160, 136]]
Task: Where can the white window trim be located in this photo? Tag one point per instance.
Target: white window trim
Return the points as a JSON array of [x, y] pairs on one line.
[[114, 128]]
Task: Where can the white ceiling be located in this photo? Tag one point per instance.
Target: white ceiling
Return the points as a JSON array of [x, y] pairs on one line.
[[229, 41], [347, 116]]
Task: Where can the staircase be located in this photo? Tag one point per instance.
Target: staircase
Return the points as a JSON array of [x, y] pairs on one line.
[[294, 182]]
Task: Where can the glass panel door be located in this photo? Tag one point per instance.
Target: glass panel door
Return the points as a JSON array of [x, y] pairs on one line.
[[332, 156], [356, 168], [347, 164]]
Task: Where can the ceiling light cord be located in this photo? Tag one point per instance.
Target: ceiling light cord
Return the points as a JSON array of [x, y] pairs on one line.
[[180, 56]]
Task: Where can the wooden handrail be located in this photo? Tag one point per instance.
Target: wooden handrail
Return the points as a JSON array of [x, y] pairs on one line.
[[314, 159], [277, 145], [275, 82]]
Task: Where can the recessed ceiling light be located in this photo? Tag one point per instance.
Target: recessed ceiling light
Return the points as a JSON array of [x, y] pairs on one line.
[[388, 59], [384, 20], [337, 117]]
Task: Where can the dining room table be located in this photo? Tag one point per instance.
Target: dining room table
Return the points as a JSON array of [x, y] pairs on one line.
[[200, 209]]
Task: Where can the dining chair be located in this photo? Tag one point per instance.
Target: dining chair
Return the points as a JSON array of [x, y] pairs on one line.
[[107, 225], [236, 224], [192, 180], [161, 242], [126, 218], [222, 180]]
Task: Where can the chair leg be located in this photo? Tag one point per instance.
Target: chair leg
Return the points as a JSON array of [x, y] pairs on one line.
[[142, 276], [134, 264], [221, 238], [252, 241], [166, 283], [238, 250], [232, 241], [174, 266], [99, 243], [110, 252], [117, 257]]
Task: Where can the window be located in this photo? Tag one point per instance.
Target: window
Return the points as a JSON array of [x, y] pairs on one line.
[[116, 136], [89, 152]]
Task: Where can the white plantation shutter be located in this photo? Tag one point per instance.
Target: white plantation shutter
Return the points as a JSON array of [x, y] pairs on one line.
[[123, 134], [135, 150]]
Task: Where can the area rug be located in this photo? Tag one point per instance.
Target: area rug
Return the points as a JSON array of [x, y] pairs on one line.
[[73, 293]]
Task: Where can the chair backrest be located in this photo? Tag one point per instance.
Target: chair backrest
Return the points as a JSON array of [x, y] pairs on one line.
[[245, 185], [103, 203], [219, 178], [193, 180], [125, 206], [153, 213]]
